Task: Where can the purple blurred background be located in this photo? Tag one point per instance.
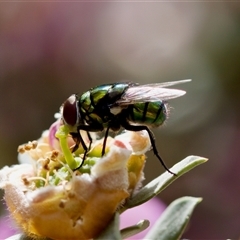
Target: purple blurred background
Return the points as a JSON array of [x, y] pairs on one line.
[[51, 50]]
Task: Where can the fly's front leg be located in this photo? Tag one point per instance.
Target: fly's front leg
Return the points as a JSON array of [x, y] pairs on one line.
[[79, 138], [137, 128]]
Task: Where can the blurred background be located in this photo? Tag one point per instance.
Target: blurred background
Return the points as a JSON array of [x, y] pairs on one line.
[[50, 50]]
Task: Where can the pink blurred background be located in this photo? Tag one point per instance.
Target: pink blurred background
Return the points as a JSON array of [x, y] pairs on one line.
[[50, 50]]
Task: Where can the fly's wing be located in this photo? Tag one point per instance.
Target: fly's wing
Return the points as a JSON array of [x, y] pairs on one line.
[[150, 93], [168, 84]]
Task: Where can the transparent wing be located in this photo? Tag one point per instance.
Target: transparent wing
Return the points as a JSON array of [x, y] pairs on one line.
[[168, 84], [151, 93]]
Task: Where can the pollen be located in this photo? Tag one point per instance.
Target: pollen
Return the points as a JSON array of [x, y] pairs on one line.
[[21, 149], [54, 155], [27, 147]]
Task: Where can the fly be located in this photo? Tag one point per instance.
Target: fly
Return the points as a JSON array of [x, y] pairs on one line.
[[113, 106]]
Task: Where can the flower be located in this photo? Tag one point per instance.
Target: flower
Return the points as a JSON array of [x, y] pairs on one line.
[[82, 202], [150, 210]]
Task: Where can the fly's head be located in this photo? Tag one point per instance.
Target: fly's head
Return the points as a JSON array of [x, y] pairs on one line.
[[70, 112]]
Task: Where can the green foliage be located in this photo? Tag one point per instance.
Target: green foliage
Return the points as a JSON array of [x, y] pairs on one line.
[[173, 221], [160, 183]]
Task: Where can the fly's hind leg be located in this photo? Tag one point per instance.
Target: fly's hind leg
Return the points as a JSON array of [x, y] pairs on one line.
[[137, 128]]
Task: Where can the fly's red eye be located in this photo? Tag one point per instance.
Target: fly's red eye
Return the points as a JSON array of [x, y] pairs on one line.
[[70, 111]]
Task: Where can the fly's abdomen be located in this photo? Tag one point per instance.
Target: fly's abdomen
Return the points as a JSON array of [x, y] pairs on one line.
[[149, 113]]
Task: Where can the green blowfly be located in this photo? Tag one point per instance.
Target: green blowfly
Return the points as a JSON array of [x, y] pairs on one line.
[[113, 106]]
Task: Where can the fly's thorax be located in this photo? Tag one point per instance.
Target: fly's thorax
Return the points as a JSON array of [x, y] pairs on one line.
[[106, 95], [87, 107], [149, 113], [85, 103], [97, 104]]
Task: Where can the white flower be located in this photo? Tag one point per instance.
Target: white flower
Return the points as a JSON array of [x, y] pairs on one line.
[[48, 199]]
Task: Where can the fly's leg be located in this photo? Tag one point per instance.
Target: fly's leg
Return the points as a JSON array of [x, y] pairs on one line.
[[90, 140], [113, 125], [105, 141], [78, 139], [137, 128]]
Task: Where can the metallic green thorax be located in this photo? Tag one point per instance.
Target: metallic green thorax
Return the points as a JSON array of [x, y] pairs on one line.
[[95, 105]]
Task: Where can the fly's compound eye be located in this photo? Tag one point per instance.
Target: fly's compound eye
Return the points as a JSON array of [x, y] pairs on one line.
[[70, 111]]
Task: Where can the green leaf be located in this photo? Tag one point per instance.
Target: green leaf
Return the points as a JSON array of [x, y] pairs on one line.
[[133, 230], [173, 221], [160, 183], [112, 231]]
